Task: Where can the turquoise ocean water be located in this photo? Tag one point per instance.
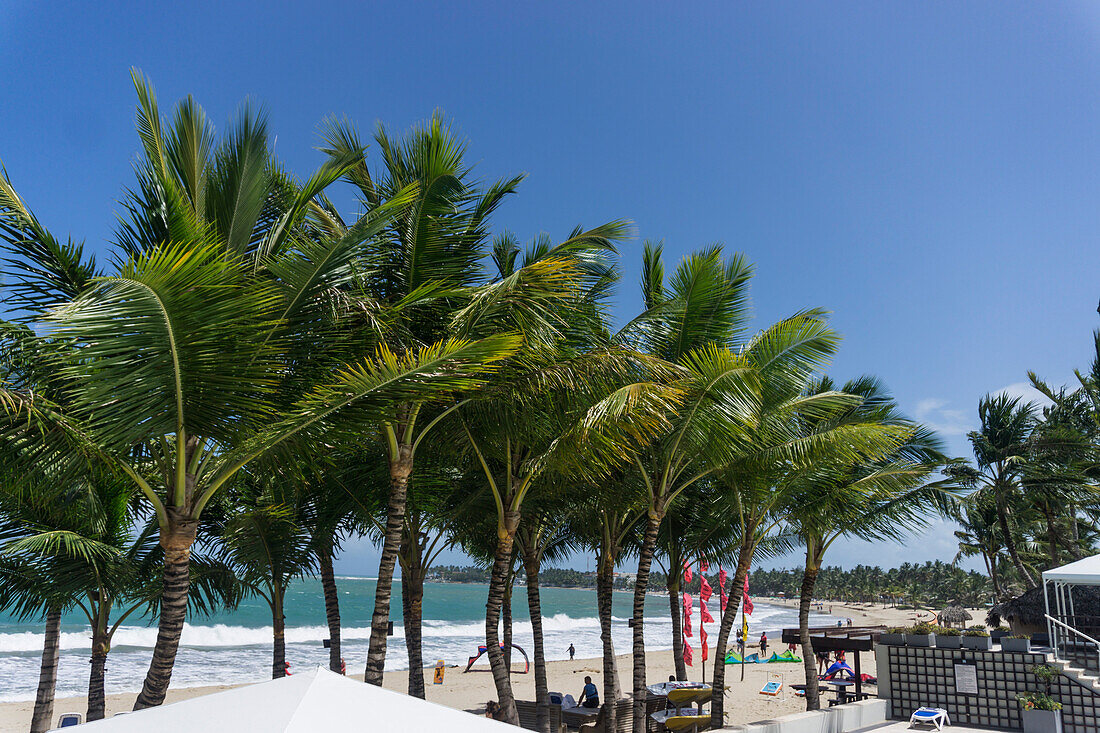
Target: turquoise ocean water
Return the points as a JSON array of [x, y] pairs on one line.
[[236, 647]]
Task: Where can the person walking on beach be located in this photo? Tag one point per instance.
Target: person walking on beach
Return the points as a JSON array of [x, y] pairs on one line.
[[572, 651], [590, 696], [764, 643]]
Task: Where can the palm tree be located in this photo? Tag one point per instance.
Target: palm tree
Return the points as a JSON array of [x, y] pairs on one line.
[[884, 494], [569, 405], [27, 590], [980, 535], [1000, 451], [225, 298], [422, 266], [697, 325], [268, 546], [606, 521], [543, 536]]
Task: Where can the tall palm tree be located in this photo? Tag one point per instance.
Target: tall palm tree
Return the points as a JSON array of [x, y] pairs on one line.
[[225, 297], [423, 265], [697, 322], [544, 536], [980, 535], [884, 494], [1000, 450]]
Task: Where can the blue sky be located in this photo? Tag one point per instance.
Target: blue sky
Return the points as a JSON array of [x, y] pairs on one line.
[[928, 172]]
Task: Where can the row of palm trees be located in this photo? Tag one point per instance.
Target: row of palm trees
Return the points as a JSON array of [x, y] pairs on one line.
[[250, 379], [931, 584], [1034, 504]]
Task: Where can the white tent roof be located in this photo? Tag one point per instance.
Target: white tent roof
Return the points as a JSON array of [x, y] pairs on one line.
[[311, 701], [1082, 572]]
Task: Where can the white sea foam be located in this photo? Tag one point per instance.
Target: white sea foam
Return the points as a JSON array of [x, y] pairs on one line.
[[226, 654]]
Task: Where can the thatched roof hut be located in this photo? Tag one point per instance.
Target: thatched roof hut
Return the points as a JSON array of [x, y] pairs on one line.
[[1027, 613], [954, 616]]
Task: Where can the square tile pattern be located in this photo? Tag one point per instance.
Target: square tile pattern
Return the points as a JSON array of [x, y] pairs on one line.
[[926, 677]]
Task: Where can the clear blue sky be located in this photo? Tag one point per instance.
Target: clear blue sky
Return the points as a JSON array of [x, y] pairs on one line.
[[928, 172]]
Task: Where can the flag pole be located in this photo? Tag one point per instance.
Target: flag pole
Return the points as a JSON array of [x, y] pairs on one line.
[[745, 638]]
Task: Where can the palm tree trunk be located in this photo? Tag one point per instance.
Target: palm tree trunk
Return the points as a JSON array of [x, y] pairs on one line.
[[47, 675], [400, 470], [506, 624], [673, 586], [531, 563], [605, 579], [502, 560], [995, 577], [176, 540], [729, 617], [97, 698], [332, 610], [1010, 542], [412, 606], [645, 559], [278, 631], [809, 661]]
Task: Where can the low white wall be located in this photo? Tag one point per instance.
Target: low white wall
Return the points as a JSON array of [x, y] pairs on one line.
[[840, 719]]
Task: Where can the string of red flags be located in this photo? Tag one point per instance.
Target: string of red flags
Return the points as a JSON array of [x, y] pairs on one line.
[[705, 591], [687, 615]]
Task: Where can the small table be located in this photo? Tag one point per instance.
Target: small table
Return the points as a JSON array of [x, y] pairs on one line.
[[842, 696]]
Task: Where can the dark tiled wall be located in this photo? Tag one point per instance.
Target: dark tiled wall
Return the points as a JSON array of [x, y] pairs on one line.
[[926, 677]]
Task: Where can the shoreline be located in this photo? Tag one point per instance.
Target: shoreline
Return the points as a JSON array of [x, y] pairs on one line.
[[471, 691]]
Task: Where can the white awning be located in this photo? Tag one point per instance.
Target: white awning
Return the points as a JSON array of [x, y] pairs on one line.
[[1082, 572], [312, 701]]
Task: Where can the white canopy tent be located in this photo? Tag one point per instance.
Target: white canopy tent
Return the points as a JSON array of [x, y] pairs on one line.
[[1063, 627], [304, 703], [1082, 572]]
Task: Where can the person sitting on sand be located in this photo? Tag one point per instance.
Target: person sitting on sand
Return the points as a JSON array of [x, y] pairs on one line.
[[590, 696]]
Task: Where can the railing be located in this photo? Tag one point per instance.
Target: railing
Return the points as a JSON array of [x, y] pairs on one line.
[[1060, 632]]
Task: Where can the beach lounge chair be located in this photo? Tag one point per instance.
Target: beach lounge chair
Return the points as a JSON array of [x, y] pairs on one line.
[[930, 716], [68, 720]]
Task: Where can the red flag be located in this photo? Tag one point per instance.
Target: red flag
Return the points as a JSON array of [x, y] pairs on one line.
[[687, 654], [703, 642], [687, 572], [721, 579], [704, 616], [705, 591], [704, 566], [747, 601], [725, 599], [687, 614]]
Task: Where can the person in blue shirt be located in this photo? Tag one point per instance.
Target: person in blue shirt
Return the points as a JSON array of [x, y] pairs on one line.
[[590, 696]]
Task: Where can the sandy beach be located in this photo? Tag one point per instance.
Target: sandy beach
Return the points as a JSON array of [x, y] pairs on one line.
[[470, 691]]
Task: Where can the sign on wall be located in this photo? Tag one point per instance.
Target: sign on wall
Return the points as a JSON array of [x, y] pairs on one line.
[[966, 679]]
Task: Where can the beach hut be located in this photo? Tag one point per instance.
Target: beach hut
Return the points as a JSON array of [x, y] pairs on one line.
[[955, 616], [311, 701]]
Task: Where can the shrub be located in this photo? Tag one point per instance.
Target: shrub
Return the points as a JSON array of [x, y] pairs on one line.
[[948, 632], [921, 628], [1038, 701], [976, 631], [1019, 636], [897, 630]]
